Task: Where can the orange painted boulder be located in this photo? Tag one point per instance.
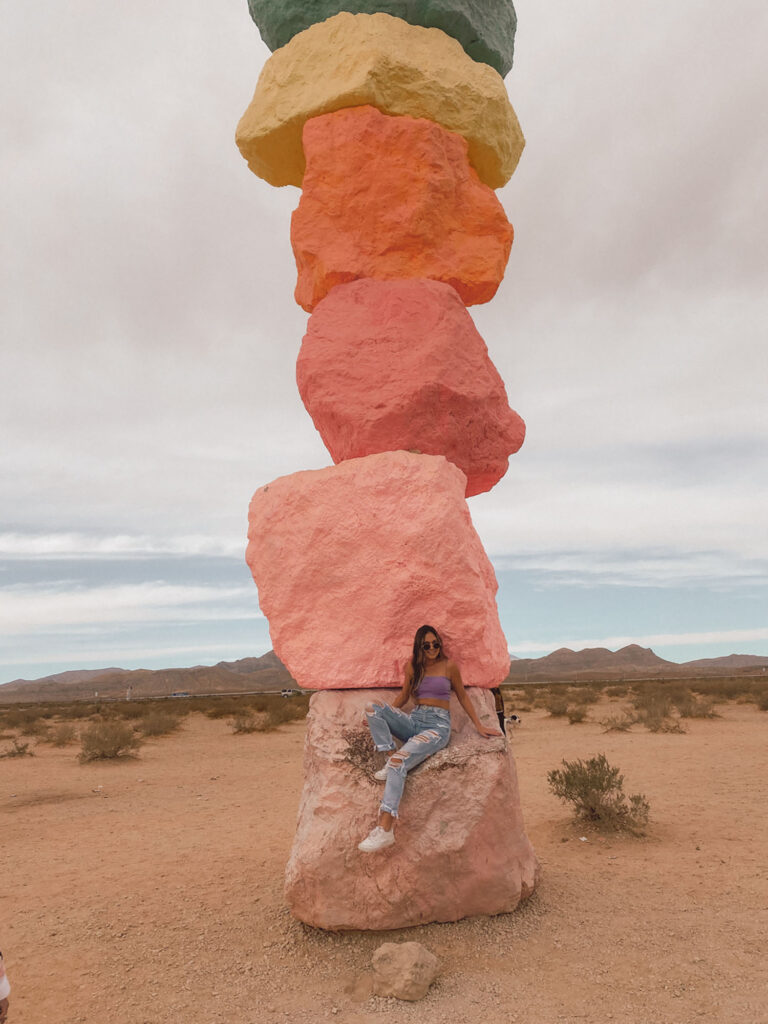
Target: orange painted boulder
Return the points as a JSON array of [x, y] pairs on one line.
[[389, 365], [351, 560], [352, 59], [391, 197]]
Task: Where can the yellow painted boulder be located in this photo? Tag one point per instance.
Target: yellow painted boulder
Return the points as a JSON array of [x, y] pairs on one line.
[[356, 59]]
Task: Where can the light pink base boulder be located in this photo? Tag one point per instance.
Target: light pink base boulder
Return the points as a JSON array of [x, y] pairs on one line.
[[460, 847], [351, 560]]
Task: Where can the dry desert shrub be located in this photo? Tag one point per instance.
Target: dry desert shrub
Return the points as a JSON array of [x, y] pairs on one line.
[[77, 711], [762, 702], [577, 713], [690, 706], [62, 735], [141, 710], [224, 707], [668, 725], [616, 691], [653, 709], [589, 694], [619, 723], [107, 740], [744, 690], [130, 709], [557, 705], [158, 723], [247, 721], [38, 728], [596, 791], [539, 696], [30, 721], [291, 709], [267, 712], [18, 749], [360, 752]]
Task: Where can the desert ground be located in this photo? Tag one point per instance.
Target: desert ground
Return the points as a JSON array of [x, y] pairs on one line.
[[149, 890]]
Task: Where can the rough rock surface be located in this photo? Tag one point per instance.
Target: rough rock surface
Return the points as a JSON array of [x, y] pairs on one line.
[[485, 28], [460, 846], [388, 365], [351, 560], [390, 197], [353, 59], [403, 970]]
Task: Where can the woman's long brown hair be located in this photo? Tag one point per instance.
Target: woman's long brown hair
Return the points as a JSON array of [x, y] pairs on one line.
[[417, 661]]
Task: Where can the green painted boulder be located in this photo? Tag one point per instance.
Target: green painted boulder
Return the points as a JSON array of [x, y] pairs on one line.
[[485, 28]]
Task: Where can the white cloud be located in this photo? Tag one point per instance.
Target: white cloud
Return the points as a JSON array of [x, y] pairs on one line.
[[105, 655], [81, 545], [29, 610], [673, 568]]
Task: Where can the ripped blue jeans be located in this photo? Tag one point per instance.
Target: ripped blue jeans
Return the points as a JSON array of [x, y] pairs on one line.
[[424, 731]]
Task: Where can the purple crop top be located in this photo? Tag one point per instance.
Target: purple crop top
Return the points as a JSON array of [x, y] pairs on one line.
[[434, 688]]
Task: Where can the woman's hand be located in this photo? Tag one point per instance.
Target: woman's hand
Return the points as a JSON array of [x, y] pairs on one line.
[[487, 733]]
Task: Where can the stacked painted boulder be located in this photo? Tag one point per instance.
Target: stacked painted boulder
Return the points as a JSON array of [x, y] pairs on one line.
[[393, 118]]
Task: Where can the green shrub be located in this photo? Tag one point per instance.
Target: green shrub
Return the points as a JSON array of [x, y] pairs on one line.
[[596, 791], [106, 740]]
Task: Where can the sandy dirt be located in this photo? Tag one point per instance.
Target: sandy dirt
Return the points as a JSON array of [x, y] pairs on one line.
[[150, 891]]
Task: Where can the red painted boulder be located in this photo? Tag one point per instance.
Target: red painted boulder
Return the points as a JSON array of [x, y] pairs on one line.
[[460, 844], [351, 560], [392, 197], [389, 365]]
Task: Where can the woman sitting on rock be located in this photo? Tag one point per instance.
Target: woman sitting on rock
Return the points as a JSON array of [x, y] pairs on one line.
[[429, 679]]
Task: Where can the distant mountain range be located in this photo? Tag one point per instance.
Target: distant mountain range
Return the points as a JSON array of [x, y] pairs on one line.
[[244, 676], [268, 673], [632, 662]]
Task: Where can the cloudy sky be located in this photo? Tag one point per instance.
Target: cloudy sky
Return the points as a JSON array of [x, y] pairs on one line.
[[149, 334]]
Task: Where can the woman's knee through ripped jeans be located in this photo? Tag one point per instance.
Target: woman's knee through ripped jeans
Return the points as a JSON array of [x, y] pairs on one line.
[[424, 731]]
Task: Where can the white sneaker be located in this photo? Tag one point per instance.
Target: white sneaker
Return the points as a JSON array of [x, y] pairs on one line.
[[381, 774], [379, 839]]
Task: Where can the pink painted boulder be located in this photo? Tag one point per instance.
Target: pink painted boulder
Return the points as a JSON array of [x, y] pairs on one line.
[[351, 560], [393, 197], [389, 365], [460, 846]]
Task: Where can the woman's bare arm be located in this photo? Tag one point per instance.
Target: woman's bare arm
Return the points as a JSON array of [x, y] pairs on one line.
[[461, 694], [403, 697]]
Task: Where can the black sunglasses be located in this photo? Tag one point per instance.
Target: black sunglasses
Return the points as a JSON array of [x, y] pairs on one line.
[[428, 645]]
